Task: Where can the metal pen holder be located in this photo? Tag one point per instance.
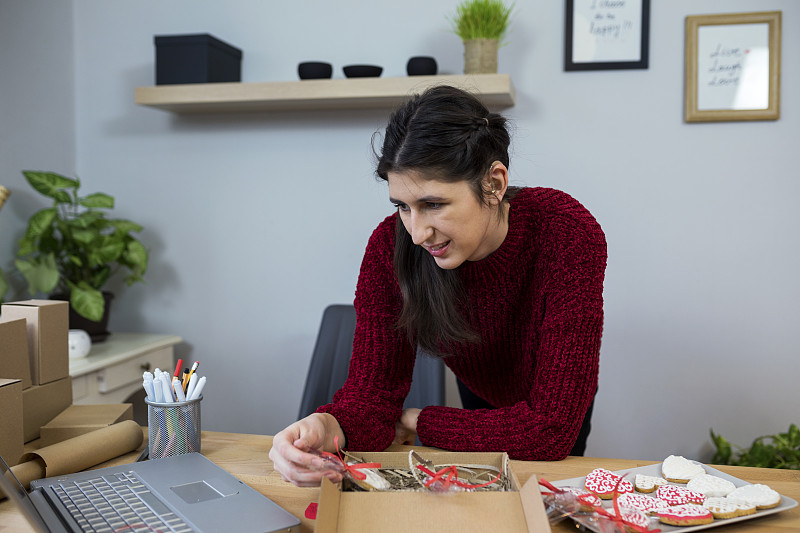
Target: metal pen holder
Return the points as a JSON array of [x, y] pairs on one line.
[[174, 427]]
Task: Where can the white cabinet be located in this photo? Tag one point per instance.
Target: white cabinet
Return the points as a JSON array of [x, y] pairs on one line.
[[113, 369]]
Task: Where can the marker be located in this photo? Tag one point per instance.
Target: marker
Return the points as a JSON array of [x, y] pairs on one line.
[[199, 388], [148, 388], [166, 389], [178, 368], [192, 385], [181, 397]]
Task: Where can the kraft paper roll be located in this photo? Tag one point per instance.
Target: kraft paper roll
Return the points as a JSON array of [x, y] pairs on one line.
[[79, 453]]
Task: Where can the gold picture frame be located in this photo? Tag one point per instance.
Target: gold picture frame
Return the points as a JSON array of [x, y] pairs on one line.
[[733, 67]]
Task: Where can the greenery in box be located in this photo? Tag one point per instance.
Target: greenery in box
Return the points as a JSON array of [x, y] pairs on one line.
[[72, 248], [481, 19], [769, 451]]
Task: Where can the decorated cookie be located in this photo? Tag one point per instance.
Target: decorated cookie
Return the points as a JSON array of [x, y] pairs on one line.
[[710, 485], [678, 469], [632, 517], [587, 500], [674, 495], [603, 482], [761, 496], [648, 484], [686, 515], [647, 504], [727, 508]]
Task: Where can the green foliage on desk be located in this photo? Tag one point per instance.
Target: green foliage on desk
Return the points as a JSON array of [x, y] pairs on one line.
[[72, 248], [768, 451]]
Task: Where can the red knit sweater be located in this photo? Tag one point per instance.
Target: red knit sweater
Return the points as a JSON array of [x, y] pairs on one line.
[[539, 306]]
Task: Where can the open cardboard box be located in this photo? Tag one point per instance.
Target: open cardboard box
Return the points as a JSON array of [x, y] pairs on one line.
[[466, 512]]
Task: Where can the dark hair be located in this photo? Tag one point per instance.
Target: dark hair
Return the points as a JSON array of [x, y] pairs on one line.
[[447, 134]]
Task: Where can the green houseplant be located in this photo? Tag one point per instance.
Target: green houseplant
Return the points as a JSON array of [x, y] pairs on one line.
[[481, 25], [72, 249], [781, 450]]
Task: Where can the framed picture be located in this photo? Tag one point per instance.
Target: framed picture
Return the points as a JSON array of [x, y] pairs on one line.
[[733, 66], [606, 34]]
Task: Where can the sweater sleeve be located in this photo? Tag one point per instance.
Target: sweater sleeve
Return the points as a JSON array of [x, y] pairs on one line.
[[371, 401], [545, 422]]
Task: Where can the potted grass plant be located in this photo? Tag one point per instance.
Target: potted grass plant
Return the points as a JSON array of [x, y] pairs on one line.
[[71, 249], [481, 25]]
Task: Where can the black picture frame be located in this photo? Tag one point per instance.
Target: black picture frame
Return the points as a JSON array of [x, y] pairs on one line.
[[609, 27]]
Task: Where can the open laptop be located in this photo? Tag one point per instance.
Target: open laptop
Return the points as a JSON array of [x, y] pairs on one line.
[[181, 494]]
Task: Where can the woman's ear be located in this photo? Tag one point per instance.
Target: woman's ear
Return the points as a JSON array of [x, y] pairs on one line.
[[497, 182]]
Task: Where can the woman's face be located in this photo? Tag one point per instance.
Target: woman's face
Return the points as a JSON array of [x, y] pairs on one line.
[[446, 219]]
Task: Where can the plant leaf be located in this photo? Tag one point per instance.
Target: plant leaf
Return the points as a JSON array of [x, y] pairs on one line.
[[40, 222], [97, 199], [42, 275], [87, 301], [50, 184]]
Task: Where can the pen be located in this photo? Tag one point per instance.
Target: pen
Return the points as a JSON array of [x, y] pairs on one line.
[[185, 380], [178, 368]]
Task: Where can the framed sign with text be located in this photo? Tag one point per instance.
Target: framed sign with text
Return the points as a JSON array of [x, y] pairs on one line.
[[606, 34], [733, 66]]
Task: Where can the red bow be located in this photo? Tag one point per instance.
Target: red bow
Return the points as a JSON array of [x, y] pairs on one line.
[[353, 470], [449, 475]]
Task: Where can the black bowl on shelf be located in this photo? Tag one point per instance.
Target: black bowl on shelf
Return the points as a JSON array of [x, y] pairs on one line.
[[314, 70], [362, 71], [421, 66]]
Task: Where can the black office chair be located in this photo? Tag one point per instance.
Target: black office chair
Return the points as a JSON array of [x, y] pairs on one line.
[[327, 371]]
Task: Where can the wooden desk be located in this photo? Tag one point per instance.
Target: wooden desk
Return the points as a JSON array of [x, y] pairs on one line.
[[245, 456]]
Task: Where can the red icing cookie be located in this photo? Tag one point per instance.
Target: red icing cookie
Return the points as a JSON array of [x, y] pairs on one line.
[[679, 495], [602, 482], [686, 515], [647, 504]]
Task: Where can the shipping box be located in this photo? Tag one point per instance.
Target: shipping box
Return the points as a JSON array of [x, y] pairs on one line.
[[76, 420], [42, 403], [48, 334], [465, 512], [14, 360], [11, 420]]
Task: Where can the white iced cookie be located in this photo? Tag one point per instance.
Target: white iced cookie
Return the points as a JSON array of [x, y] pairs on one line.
[[644, 483], [678, 469], [725, 508], [711, 486], [761, 496]]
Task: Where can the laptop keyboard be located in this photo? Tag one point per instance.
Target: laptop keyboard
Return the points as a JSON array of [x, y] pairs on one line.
[[117, 503]]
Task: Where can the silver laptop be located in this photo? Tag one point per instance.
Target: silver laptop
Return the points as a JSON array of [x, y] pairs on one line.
[[181, 494]]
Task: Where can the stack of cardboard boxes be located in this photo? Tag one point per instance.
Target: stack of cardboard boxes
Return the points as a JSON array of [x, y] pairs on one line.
[[34, 365]]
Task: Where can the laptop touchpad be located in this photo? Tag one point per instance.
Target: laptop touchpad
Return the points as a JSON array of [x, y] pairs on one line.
[[202, 491]]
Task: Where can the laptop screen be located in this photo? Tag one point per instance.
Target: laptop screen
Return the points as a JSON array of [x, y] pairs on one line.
[[11, 488]]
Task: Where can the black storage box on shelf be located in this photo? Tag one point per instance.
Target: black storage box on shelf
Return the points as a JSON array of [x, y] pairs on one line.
[[196, 58]]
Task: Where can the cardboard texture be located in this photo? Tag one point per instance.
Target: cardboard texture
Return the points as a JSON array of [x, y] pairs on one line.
[[41, 404], [79, 453], [11, 420], [48, 334], [466, 512], [76, 420], [14, 362]]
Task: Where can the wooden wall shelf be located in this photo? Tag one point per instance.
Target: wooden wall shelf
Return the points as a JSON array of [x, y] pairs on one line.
[[495, 90]]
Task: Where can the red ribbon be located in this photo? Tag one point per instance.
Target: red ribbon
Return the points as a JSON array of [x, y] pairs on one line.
[[449, 475], [353, 470]]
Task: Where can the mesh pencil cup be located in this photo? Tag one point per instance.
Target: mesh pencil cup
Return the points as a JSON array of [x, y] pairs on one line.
[[174, 427]]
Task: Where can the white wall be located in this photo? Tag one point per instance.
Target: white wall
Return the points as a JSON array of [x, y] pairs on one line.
[[255, 223]]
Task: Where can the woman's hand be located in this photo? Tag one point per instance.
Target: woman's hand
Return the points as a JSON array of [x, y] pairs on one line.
[[405, 431], [290, 450]]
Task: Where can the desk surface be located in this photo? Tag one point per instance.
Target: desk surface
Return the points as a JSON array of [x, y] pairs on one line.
[[245, 456]]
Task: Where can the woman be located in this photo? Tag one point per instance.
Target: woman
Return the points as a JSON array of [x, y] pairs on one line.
[[504, 283]]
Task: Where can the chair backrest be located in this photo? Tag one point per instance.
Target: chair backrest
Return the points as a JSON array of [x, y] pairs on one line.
[[327, 371]]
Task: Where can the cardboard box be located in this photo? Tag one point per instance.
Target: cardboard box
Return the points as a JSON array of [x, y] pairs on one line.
[[196, 58], [11, 420], [14, 361], [48, 336], [42, 403], [466, 512], [76, 420]]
